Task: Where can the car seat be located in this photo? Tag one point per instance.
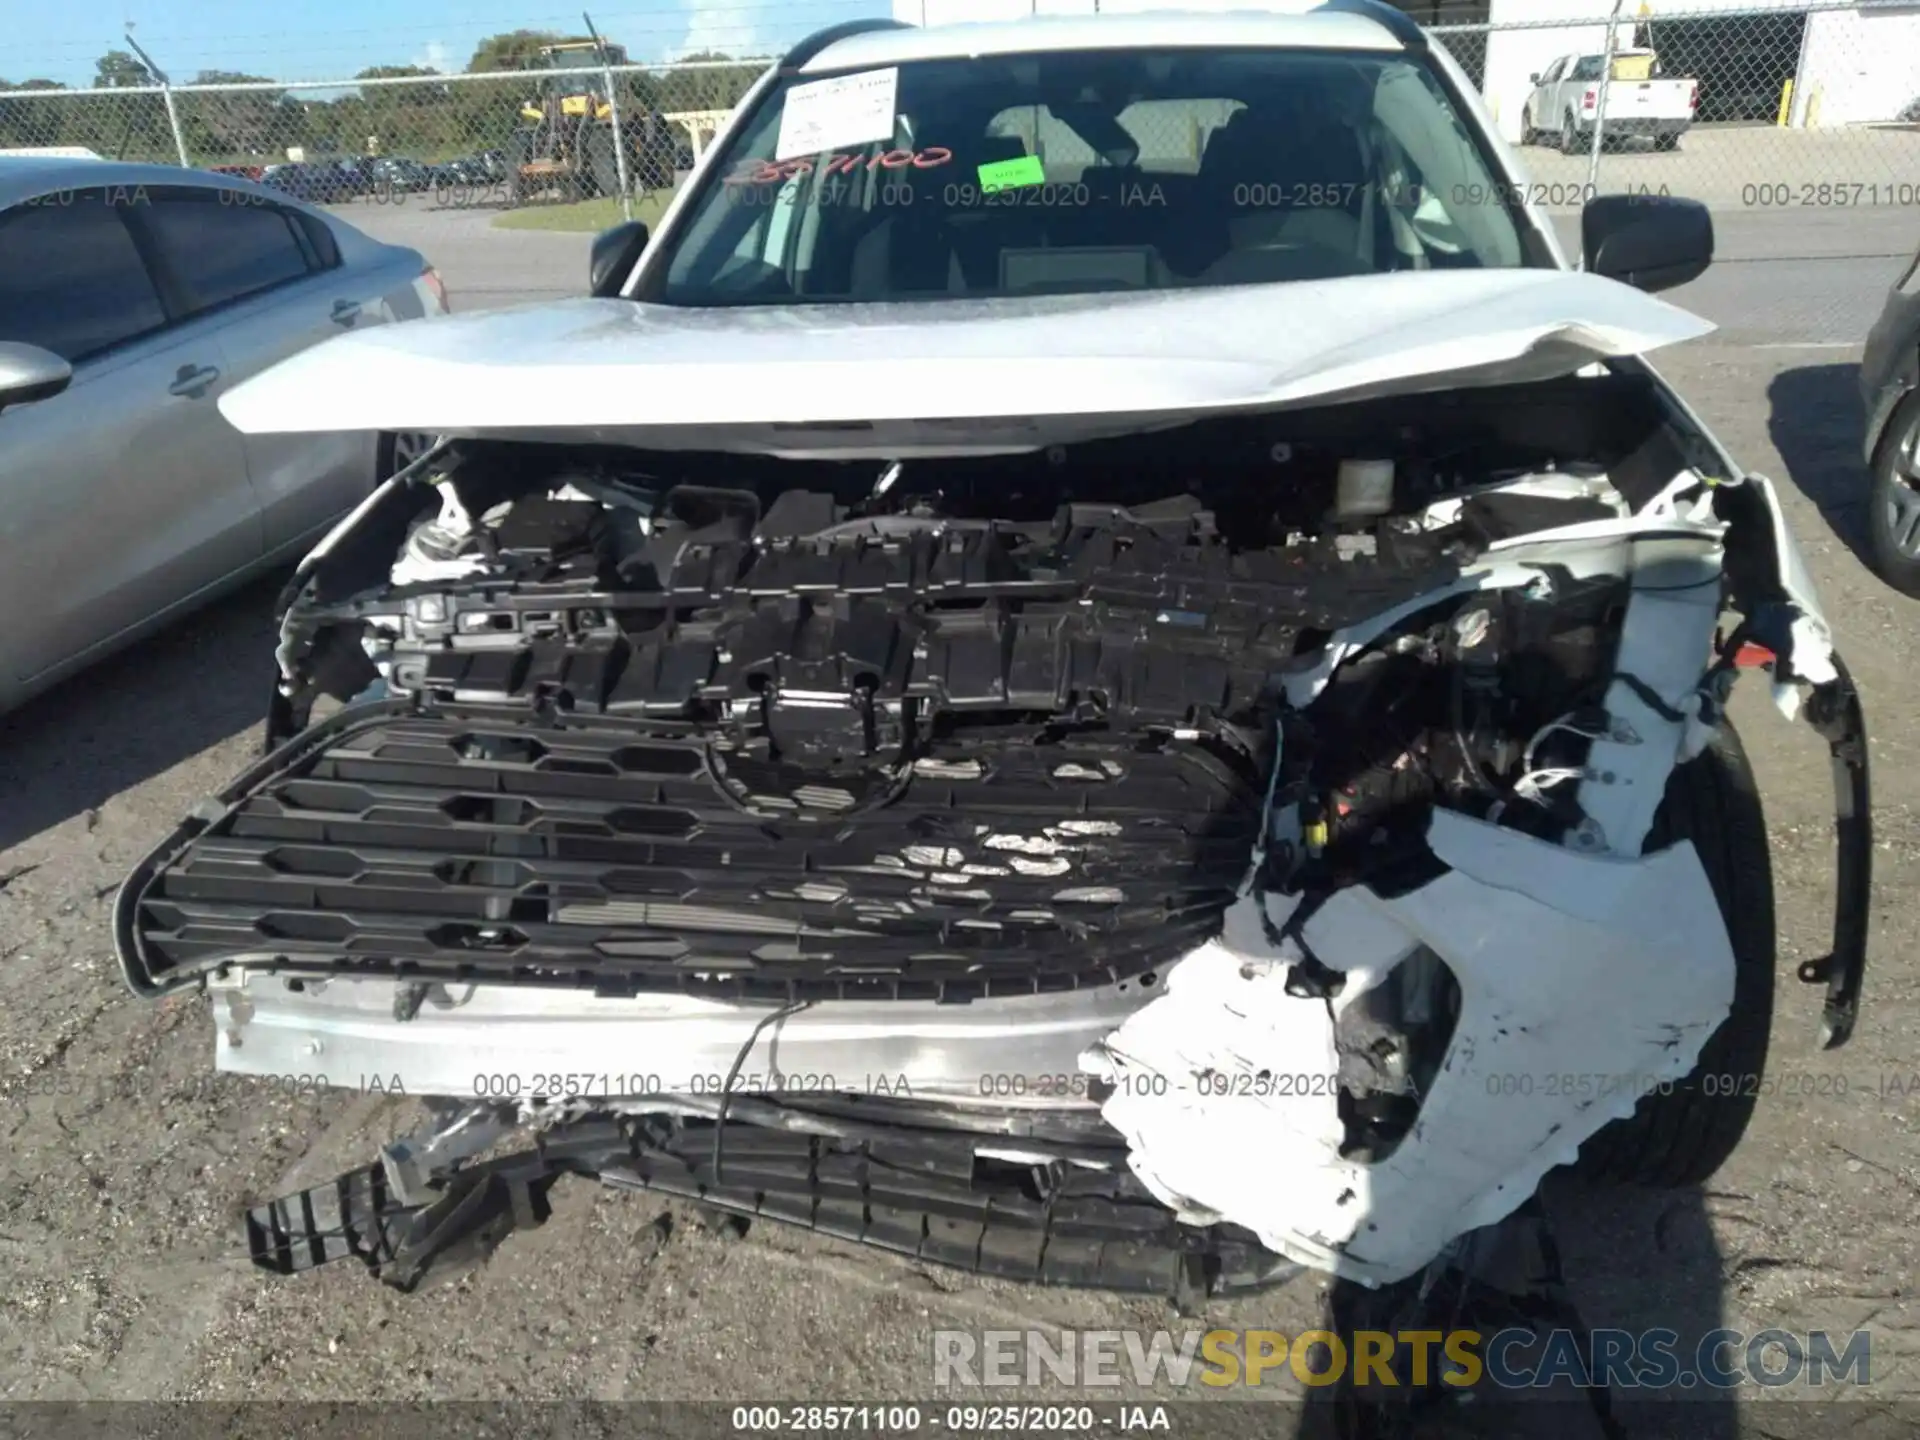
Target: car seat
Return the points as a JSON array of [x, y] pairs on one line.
[[1287, 178]]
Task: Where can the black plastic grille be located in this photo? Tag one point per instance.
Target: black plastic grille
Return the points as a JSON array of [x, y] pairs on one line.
[[486, 845]]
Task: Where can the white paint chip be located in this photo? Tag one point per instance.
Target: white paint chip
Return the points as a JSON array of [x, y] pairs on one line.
[[845, 110]]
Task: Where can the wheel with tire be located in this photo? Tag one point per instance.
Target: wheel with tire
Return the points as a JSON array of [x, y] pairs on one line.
[[1680, 1136], [397, 451], [1569, 135], [597, 162], [1893, 501], [1666, 142], [518, 151]]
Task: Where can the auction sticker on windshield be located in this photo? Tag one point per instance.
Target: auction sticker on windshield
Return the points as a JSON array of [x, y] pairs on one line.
[[846, 110], [1010, 174]]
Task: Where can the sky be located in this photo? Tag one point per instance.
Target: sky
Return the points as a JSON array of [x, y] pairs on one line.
[[328, 39]]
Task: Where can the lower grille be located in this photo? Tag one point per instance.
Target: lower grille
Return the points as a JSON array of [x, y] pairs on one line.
[[918, 1193], [480, 844]]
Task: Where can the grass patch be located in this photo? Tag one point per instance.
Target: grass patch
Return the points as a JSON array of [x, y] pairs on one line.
[[591, 216]]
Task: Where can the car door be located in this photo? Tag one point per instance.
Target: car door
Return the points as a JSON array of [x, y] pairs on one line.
[[1553, 95], [1540, 100], [1571, 93], [127, 494], [267, 279]]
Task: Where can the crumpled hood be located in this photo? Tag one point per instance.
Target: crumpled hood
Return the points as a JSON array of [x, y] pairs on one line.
[[952, 376]]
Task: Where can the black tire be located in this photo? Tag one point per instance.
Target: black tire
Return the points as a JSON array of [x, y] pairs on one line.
[[599, 167], [396, 450], [1569, 135], [1679, 1137], [1666, 142], [650, 161], [519, 150], [1899, 452]]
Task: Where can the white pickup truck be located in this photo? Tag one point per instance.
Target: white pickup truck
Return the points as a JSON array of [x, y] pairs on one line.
[[1639, 101]]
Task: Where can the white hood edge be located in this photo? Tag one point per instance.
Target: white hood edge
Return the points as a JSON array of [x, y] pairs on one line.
[[952, 376]]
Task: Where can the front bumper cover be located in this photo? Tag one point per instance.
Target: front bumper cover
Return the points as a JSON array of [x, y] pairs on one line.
[[440, 1029]]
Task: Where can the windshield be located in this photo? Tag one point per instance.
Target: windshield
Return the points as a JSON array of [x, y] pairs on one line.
[[1110, 170]]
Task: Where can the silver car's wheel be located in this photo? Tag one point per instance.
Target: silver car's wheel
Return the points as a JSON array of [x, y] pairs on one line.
[[401, 449], [1893, 508]]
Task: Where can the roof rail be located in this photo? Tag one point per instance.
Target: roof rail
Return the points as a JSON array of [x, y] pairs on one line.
[[1398, 23], [801, 53]]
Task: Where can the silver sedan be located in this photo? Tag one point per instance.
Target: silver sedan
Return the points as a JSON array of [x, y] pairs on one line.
[[131, 298]]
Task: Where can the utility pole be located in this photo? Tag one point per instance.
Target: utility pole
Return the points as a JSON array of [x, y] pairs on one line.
[[1600, 105], [166, 95], [613, 108]]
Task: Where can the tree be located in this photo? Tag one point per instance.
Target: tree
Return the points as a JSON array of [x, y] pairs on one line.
[[134, 128], [400, 118], [237, 123], [36, 122], [516, 50], [118, 70], [717, 88], [402, 73]]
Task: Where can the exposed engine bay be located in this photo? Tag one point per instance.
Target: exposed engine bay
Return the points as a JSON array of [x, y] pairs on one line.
[[1264, 784], [945, 731]]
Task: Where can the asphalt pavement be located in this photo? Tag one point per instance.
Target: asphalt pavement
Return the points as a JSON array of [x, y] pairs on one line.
[[1780, 276]]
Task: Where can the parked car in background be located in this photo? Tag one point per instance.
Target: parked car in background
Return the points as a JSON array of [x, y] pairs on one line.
[[322, 182], [356, 173], [131, 298], [239, 172], [1565, 102], [458, 174], [1890, 389], [313, 181], [396, 174]]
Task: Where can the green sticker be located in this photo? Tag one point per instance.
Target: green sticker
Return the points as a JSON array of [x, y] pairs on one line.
[[1011, 174]]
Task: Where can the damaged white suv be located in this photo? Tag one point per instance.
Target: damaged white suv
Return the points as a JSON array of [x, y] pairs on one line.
[[1098, 664]]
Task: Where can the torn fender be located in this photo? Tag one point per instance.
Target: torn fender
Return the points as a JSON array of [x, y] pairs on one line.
[[1607, 970]]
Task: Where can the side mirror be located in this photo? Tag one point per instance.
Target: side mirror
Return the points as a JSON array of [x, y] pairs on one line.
[[1534, 78], [613, 257], [28, 373], [1652, 242]]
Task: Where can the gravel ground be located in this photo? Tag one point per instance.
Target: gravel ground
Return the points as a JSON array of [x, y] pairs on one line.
[[125, 1163]]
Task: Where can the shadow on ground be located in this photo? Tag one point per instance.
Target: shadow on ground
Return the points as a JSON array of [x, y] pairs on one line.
[[1633, 1263], [137, 714], [1817, 423]]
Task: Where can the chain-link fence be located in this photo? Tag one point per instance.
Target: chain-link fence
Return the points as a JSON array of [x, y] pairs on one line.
[[1788, 106], [503, 139], [1803, 106]]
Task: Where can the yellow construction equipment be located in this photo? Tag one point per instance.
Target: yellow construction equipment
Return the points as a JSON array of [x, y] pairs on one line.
[[568, 142], [576, 95]]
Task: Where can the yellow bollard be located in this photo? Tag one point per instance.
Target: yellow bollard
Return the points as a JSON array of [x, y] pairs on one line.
[[1786, 101]]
